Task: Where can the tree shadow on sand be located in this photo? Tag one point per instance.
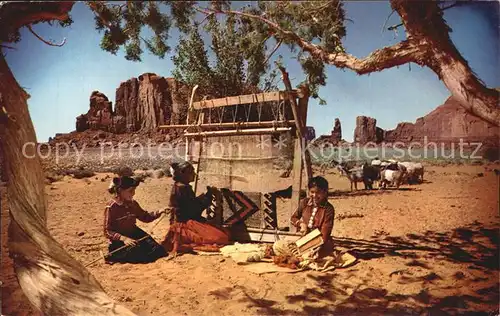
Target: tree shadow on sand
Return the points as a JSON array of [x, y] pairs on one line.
[[359, 192], [474, 245], [365, 300], [464, 245], [413, 188], [364, 192], [259, 306]]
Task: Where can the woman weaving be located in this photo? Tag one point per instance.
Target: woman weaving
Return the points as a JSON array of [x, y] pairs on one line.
[[188, 228]]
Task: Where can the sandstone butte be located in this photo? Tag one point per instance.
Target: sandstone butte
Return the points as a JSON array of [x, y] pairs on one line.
[[144, 103]]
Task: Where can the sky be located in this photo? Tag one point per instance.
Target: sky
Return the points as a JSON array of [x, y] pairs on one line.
[[61, 79]]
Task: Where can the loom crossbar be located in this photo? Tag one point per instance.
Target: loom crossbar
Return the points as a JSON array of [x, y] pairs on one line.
[[244, 99], [207, 126], [256, 131]]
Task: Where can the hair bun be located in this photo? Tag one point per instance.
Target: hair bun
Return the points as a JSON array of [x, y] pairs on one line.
[[112, 186]]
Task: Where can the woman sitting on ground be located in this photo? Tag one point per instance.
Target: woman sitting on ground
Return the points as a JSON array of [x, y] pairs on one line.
[[188, 228], [127, 242], [316, 212]]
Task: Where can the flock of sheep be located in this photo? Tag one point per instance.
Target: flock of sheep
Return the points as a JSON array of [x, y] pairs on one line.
[[387, 172]]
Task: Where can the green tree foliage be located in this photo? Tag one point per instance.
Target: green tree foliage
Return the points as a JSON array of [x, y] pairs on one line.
[[319, 22], [191, 62], [237, 67], [122, 25]]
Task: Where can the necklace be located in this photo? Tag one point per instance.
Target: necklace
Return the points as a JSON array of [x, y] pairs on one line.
[[311, 220]]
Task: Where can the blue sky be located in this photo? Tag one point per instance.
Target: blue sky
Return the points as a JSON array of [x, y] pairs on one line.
[[60, 80]]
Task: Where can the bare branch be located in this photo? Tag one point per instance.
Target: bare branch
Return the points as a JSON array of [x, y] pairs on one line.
[[206, 17], [449, 7], [8, 47], [120, 7], [144, 40], [43, 40], [394, 27], [273, 51], [387, 20], [321, 7]]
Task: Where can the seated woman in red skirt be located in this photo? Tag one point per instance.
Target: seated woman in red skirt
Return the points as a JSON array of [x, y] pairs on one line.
[[127, 242], [188, 228]]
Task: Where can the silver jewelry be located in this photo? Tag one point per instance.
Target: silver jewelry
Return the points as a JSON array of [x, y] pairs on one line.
[[311, 220]]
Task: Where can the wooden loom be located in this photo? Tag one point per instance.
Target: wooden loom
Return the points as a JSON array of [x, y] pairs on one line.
[[243, 205]]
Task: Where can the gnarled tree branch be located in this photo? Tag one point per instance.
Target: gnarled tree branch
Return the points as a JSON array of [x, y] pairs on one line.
[[428, 44], [45, 41], [396, 55], [399, 54]]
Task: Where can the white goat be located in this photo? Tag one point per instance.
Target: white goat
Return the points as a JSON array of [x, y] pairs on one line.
[[415, 171], [394, 177]]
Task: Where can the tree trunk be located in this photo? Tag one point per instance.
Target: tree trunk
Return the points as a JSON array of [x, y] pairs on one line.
[[466, 88], [53, 281], [425, 25]]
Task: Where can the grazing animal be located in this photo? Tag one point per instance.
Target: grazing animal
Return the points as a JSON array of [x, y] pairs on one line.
[[334, 163], [327, 164], [354, 175], [376, 162], [382, 163], [370, 175], [365, 173], [379, 165], [415, 172], [392, 177]]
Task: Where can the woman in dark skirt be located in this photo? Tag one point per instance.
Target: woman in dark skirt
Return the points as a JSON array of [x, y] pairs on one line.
[[120, 226], [188, 228]]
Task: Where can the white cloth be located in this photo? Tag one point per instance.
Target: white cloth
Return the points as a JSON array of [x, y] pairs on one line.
[[242, 253]]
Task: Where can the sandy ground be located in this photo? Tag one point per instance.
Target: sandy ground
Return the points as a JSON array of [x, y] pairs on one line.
[[424, 248]]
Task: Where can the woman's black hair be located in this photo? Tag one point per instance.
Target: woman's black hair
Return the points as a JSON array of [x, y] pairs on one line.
[[319, 182], [122, 183], [179, 168]]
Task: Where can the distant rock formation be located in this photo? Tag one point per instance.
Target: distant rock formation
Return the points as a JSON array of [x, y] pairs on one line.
[[142, 104], [367, 131], [336, 132], [149, 101], [335, 137], [99, 116], [448, 123]]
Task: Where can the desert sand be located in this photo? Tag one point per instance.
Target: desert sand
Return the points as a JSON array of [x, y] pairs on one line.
[[424, 248]]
